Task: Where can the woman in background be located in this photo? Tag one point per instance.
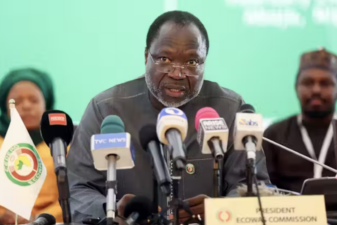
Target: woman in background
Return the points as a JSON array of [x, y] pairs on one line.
[[33, 93]]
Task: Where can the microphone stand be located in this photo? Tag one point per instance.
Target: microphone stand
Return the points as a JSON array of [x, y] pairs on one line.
[[217, 178], [159, 181], [176, 201], [157, 218], [63, 188], [160, 196], [249, 176], [217, 153], [58, 151], [111, 188], [155, 195], [250, 164]]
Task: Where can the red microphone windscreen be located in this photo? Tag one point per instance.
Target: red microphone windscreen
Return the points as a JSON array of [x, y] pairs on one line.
[[205, 113]]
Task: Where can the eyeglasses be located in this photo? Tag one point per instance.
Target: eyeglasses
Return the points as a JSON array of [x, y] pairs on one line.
[[186, 69]]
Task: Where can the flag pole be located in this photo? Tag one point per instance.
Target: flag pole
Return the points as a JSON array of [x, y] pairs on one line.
[[11, 104]]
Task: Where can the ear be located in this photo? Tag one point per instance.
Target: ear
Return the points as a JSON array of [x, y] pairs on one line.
[[146, 55], [296, 90], [335, 89], [297, 84], [335, 93]]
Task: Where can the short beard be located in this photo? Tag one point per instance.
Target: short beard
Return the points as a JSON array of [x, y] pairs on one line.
[[319, 114], [157, 93]]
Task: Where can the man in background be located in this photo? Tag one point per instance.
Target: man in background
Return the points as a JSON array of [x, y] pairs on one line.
[[309, 133]]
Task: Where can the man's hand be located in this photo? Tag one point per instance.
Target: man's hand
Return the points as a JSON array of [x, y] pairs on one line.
[[196, 206], [122, 203], [125, 200], [9, 218]]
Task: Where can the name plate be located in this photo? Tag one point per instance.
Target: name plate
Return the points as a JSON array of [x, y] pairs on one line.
[[280, 210]]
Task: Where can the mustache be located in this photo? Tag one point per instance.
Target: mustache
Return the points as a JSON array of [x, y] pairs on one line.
[[319, 97], [168, 84]]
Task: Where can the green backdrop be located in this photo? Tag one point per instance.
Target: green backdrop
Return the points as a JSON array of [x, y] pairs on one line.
[[89, 46]]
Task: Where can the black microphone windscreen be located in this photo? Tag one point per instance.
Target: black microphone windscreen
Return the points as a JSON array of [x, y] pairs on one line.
[[146, 134], [247, 108], [50, 218], [142, 205], [56, 124]]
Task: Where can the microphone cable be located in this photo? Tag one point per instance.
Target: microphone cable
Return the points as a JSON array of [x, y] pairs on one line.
[[300, 155], [259, 199]]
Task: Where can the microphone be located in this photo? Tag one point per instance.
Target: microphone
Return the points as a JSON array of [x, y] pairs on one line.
[[57, 131], [213, 138], [110, 151], [212, 132], [44, 219], [149, 141], [113, 140], [172, 130], [248, 131], [137, 210]]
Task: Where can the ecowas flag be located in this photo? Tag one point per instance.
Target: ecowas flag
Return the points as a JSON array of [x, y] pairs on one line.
[[22, 172]]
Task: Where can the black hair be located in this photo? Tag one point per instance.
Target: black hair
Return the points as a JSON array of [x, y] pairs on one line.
[[178, 17]]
